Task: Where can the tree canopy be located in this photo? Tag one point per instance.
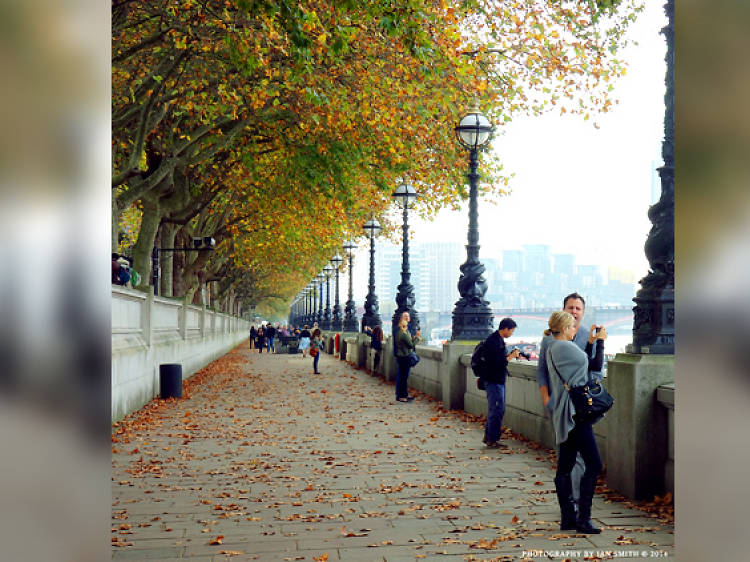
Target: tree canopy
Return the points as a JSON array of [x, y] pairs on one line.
[[280, 127]]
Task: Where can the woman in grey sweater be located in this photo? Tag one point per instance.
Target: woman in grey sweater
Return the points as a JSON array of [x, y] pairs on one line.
[[568, 363]]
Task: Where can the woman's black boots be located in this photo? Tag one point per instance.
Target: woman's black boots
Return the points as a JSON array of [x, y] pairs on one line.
[[583, 521], [564, 489]]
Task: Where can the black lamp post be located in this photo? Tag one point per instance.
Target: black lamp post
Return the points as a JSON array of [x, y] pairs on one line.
[[201, 244], [326, 323], [371, 316], [350, 316], [304, 304], [653, 321], [310, 303], [336, 321], [319, 316], [405, 195], [472, 316]]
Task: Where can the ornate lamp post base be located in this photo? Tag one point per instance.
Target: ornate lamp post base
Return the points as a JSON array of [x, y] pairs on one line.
[[350, 322], [472, 322], [653, 325]]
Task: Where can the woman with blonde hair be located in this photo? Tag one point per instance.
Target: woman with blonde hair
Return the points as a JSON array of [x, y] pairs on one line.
[[570, 366], [404, 344]]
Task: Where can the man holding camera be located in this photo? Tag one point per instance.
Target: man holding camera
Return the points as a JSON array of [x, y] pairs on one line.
[[497, 357], [576, 306]]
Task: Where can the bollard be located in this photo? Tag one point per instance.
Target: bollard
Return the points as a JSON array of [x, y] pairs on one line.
[[170, 380]]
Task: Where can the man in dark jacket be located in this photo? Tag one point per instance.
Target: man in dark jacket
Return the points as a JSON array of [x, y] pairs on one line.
[[494, 381], [270, 334]]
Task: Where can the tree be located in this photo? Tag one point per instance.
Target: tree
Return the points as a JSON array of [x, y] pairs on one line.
[[249, 120]]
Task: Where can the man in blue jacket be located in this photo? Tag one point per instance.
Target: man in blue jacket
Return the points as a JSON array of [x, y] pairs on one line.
[[497, 358]]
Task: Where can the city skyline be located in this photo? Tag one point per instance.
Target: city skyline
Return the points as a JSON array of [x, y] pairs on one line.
[[534, 271]]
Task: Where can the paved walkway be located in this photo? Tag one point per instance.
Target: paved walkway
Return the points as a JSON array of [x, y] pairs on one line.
[[265, 461]]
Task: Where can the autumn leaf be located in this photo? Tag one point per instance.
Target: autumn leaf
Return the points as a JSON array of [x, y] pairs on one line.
[[217, 540]]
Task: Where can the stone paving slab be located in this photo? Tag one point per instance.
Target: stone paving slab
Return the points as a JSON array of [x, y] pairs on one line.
[[272, 462]]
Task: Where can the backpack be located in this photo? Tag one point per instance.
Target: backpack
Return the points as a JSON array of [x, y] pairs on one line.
[[479, 360], [124, 275]]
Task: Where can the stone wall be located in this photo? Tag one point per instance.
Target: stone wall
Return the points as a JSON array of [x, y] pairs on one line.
[[148, 331]]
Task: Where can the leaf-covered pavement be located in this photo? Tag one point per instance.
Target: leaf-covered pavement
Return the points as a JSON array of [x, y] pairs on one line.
[[263, 460]]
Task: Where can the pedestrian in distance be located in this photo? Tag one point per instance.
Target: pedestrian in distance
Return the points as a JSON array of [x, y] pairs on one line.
[[316, 348], [253, 335], [304, 341], [571, 367], [261, 338], [404, 344], [497, 357], [376, 343], [575, 305], [270, 334]]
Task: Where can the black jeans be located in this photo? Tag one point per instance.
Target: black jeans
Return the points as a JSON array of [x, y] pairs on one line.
[[402, 376], [581, 439]]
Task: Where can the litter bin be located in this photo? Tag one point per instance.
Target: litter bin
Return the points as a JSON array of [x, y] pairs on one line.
[[170, 380]]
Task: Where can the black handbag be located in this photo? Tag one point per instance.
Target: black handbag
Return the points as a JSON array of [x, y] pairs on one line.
[[413, 358], [591, 400]]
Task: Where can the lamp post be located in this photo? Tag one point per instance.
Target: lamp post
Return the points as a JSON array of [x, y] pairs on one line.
[[653, 320], [310, 303], [405, 195], [472, 316], [350, 316], [326, 323], [319, 317], [200, 244], [371, 316], [304, 304], [336, 321]]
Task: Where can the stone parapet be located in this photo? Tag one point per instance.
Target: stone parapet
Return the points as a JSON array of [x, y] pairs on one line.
[[148, 331]]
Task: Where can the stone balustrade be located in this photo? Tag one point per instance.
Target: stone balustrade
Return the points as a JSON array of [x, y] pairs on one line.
[[148, 331]]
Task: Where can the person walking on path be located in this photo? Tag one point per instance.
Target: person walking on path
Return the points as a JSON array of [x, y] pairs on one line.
[[270, 333], [253, 335], [304, 341], [404, 344], [571, 367], [376, 343], [261, 338], [494, 381], [316, 347], [575, 305]]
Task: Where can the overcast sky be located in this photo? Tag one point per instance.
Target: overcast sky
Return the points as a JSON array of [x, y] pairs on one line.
[[579, 189]]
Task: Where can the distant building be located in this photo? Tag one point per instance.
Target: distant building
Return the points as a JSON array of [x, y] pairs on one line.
[[537, 258], [444, 260], [512, 261], [564, 264]]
